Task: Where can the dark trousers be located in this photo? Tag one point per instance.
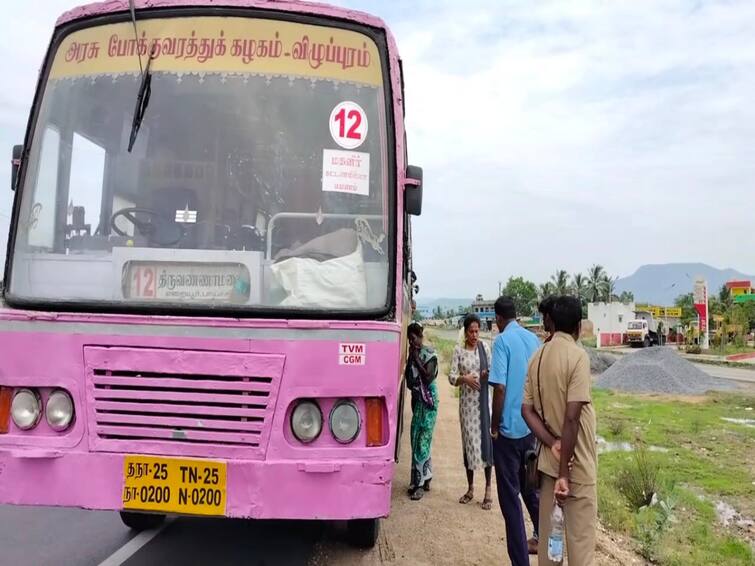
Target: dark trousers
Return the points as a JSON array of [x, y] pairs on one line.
[[508, 455]]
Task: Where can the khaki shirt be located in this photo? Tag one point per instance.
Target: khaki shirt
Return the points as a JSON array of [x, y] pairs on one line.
[[564, 377]]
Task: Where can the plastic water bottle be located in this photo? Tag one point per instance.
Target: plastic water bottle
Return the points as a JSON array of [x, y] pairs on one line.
[[556, 537]]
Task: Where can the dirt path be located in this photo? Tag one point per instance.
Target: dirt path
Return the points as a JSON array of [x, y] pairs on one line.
[[454, 534]]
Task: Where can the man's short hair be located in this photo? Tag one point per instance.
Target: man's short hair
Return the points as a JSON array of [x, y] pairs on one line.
[[505, 308], [546, 305], [415, 329], [566, 314]]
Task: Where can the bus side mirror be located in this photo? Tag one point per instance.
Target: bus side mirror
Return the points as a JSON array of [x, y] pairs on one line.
[[18, 150], [413, 190]]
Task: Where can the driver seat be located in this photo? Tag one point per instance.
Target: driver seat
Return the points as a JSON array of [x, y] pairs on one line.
[[173, 202]]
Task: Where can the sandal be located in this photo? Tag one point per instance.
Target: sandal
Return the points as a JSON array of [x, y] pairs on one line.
[[467, 497], [418, 494], [487, 504], [426, 486]]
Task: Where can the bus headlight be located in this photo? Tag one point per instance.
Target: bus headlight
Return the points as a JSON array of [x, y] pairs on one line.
[[26, 409], [59, 410], [344, 421], [306, 421]]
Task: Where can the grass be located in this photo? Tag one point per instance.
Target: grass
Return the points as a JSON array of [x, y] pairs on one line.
[[443, 346], [716, 455], [590, 342], [707, 459], [445, 349], [639, 481], [730, 349]]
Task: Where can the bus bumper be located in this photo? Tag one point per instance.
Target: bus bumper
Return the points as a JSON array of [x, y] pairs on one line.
[[335, 490]]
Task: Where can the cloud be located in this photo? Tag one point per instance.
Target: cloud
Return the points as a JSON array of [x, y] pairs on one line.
[[559, 134], [553, 134]]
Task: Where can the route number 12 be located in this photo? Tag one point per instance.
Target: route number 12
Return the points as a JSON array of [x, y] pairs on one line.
[[348, 125]]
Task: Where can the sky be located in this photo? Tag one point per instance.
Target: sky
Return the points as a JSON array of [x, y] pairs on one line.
[[553, 135]]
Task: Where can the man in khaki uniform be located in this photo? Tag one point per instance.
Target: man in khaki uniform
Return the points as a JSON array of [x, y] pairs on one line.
[[558, 408]]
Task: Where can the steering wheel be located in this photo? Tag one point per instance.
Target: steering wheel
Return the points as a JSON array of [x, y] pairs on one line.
[[170, 234]]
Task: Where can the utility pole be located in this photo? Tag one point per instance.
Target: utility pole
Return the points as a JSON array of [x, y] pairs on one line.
[[499, 289]]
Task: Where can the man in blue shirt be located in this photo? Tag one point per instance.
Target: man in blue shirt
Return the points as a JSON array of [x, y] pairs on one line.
[[512, 351]]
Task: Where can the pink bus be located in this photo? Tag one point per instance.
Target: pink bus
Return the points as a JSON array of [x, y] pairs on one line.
[[208, 275]]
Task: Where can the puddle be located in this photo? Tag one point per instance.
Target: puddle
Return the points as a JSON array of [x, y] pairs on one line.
[[604, 446], [745, 422], [729, 516]]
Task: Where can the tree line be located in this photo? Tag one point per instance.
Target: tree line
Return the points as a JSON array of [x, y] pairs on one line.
[[593, 286], [739, 318]]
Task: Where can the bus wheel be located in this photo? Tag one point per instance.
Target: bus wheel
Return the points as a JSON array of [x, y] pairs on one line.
[[363, 533], [647, 343], [141, 521]]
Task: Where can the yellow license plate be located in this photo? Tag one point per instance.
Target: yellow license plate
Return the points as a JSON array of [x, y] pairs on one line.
[[170, 485]]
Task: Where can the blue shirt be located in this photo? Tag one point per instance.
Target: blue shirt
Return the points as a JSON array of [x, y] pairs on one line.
[[512, 351]]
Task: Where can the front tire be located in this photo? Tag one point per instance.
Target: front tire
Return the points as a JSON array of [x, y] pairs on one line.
[[363, 533], [141, 521], [646, 343]]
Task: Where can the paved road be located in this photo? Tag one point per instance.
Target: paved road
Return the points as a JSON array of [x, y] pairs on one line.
[[735, 374], [52, 537], [743, 375]]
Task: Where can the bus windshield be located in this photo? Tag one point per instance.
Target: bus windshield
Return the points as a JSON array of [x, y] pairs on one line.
[[258, 177]]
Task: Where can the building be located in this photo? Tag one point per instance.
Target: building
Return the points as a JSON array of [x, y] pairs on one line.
[[485, 310], [741, 291], [609, 321]]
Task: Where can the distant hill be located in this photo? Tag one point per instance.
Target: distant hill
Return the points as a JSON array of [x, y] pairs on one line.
[[661, 284]]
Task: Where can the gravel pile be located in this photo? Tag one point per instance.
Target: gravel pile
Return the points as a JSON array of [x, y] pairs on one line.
[[600, 361], [659, 370]]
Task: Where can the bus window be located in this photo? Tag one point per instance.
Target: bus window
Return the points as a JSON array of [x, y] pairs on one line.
[[87, 178], [42, 217]]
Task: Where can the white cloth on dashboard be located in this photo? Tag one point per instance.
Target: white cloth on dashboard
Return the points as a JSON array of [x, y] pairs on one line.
[[335, 283]]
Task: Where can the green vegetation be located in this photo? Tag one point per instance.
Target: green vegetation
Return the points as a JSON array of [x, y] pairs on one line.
[[730, 349], [443, 346], [686, 458], [736, 320], [690, 458], [597, 285], [524, 294], [590, 342], [445, 350]]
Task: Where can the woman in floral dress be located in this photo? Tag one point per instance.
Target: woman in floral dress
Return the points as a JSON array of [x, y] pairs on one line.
[[469, 372]]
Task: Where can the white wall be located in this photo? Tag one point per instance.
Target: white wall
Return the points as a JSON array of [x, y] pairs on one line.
[[611, 318]]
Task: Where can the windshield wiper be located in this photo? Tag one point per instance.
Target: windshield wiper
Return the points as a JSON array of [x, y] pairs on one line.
[[142, 101]]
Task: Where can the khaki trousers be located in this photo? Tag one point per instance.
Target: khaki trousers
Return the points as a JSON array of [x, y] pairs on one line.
[[580, 522]]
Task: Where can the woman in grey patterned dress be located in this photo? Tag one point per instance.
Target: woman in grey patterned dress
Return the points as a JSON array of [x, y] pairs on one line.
[[469, 372]]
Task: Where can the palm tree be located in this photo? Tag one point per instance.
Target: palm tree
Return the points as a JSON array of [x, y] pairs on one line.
[[609, 286], [560, 282], [545, 290], [579, 285], [596, 276]]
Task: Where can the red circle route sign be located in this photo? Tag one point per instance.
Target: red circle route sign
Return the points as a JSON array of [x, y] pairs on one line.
[[348, 125]]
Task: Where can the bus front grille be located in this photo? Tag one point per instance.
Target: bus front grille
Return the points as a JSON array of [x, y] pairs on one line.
[[180, 402]]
